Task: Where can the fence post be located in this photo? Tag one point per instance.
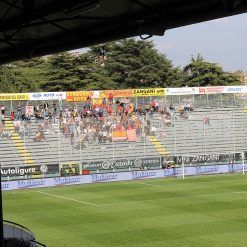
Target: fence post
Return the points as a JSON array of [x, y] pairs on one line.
[[183, 165], [243, 162]]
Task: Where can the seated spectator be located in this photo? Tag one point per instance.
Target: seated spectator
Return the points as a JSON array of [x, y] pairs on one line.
[[37, 137], [6, 134], [153, 131]]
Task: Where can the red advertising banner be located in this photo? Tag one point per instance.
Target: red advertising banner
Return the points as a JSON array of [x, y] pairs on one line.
[[131, 134]]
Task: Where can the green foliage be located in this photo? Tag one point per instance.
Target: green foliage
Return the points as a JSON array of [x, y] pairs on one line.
[[202, 73], [60, 73], [136, 64], [127, 63]]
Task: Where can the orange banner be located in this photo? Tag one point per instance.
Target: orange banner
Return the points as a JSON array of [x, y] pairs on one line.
[[78, 96], [131, 134], [116, 93], [119, 135]]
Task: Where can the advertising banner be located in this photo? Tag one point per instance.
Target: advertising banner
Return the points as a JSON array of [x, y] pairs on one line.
[[149, 92], [116, 93], [235, 89], [182, 91], [122, 176], [79, 96], [131, 135], [48, 96], [122, 163], [14, 96], [211, 90], [28, 170], [147, 174], [119, 135]]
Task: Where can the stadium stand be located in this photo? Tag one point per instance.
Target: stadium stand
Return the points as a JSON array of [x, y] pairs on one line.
[[84, 132]]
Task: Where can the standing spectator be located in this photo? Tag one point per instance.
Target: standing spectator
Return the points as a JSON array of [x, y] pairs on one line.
[[2, 110]]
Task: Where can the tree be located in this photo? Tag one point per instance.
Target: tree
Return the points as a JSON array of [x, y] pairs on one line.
[[92, 73], [8, 82], [135, 64], [29, 73], [60, 73], [202, 73]]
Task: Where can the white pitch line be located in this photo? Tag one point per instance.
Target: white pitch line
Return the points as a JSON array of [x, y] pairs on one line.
[[172, 198], [70, 199]]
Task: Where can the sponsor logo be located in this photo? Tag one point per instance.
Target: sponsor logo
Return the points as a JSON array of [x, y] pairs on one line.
[[124, 163], [43, 168], [236, 167], [205, 90], [234, 89], [207, 169], [67, 180], [138, 162], [180, 91], [104, 177], [17, 171], [30, 183], [5, 185], [36, 95], [143, 174], [197, 158]]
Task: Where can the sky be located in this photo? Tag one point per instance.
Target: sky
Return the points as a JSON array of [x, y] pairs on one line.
[[222, 41]]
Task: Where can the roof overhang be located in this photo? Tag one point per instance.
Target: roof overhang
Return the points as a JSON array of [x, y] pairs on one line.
[[35, 28]]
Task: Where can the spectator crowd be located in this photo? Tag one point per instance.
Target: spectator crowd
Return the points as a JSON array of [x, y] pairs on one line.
[[89, 121]]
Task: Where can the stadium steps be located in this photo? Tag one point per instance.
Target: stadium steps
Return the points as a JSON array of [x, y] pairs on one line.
[[19, 144], [158, 146]]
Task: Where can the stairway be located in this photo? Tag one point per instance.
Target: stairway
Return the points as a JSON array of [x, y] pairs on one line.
[[19, 143], [158, 146]]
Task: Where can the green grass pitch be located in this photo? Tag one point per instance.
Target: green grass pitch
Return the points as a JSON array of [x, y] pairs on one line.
[[198, 211]]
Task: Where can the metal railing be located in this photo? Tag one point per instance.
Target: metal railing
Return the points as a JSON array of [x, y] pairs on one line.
[[17, 231]]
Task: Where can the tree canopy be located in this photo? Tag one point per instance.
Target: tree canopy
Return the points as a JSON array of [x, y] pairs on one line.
[[128, 63], [202, 73]]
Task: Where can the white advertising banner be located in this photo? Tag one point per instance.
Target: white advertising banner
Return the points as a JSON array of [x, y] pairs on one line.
[[182, 91], [96, 95], [48, 96], [235, 89]]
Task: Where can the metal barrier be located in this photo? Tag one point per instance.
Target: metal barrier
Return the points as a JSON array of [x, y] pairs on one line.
[[17, 231]]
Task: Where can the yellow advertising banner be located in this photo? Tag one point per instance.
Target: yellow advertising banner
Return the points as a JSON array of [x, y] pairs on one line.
[[118, 135], [116, 93], [149, 92], [14, 96], [78, 96]]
